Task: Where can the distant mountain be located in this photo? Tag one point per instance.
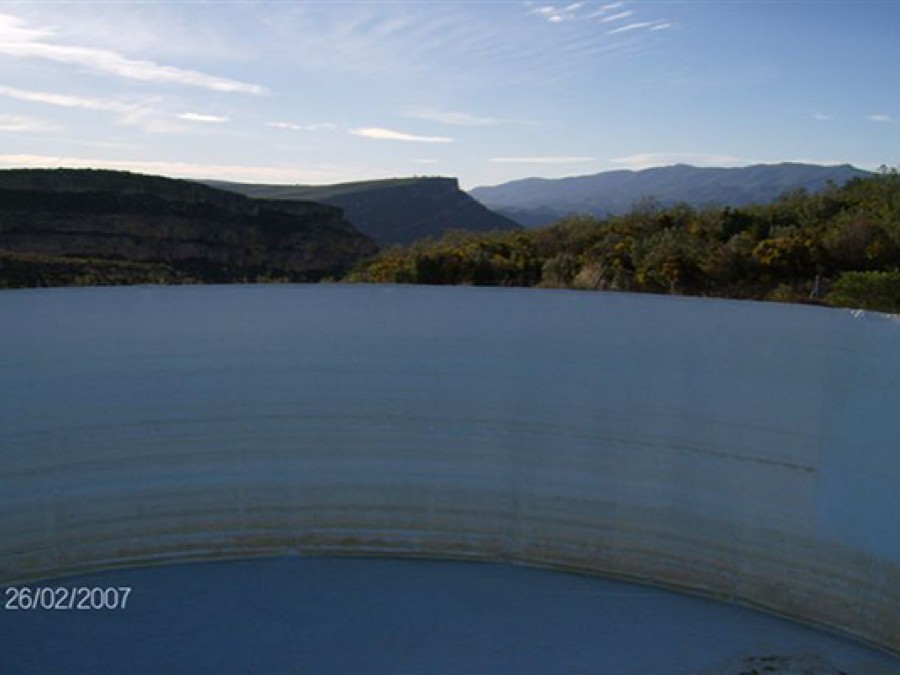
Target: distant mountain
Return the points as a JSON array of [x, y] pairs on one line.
[[394, 211], [127, 228], [538, 201]]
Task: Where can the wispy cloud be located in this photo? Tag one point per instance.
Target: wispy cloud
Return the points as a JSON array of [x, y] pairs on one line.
[[554, 14], [14, 30], [156, 121], [15, 123], [451, 41], [143, 115], [391, 135], [291, 126], [637, 25], [66, 101], [616, 17], [249, 173], [284, 125], [880, 117], [544, 159], [651, 159], [424, 161], [456, 118], [19, 40], [609, 13], [199, 117], [822, 117], [605, 9], [572, 12]]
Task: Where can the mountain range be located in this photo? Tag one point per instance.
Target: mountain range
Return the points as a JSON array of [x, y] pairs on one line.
[[392, 211], [534, 202], [68, 226]]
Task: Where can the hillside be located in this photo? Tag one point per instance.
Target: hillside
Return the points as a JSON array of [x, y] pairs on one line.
[[393, 211], [60, 227], [538, 201], [840, 246]]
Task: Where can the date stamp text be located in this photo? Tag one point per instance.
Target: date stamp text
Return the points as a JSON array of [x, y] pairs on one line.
[[63, 598]]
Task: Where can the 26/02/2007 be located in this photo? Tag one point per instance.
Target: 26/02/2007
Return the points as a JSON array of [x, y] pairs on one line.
[[64, 598]]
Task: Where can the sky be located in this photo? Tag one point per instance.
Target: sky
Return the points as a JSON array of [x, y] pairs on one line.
[[488, 92]]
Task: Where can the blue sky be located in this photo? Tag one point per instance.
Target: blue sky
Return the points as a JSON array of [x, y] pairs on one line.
[[322, 92]]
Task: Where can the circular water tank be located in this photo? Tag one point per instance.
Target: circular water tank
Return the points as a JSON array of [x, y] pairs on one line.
[[742, 451]]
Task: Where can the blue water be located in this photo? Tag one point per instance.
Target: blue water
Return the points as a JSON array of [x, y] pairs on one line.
[[358, 616]]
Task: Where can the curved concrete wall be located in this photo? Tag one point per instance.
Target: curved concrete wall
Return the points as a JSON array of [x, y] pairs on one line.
[[742, 450]]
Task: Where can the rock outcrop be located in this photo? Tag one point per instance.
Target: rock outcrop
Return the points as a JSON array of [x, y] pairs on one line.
[[394, 211], [202, 233]]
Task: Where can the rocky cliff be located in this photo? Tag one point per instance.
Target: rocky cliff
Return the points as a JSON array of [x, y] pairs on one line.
[[201, 233], [394, 211]]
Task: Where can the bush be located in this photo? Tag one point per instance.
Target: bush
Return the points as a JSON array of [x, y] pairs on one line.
[[878, 291]]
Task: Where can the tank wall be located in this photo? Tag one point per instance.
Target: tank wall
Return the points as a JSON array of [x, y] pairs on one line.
[[741, 450]]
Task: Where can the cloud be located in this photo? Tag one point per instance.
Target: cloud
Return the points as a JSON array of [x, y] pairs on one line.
[[259, 174], [461, 119], [571, 12], [822, 117], [424, 161], [447, 40], [141, 115], [391, 135], [557, 14], [66, 101], [13, 29], [205, 119], [20, 41], [605, 9], [547, 12], [650, 159], [616, 17], [23, 124], [609, 13], [284, 125], [637, 25], [880, 117], [290, 126], [546, 159]]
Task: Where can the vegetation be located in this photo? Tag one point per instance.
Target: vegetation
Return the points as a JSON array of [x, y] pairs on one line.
[[19, 270], [868, 290], [840, 246]]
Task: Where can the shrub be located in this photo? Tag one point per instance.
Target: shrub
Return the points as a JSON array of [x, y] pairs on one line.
[[878, 291]]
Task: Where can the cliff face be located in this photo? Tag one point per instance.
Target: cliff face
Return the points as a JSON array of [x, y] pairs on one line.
[[395, 211], [203, 233]]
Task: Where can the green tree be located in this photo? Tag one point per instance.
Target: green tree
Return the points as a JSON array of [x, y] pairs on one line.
[[878, 291]]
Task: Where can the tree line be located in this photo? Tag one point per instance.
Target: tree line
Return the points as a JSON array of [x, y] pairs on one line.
[[839, 246]]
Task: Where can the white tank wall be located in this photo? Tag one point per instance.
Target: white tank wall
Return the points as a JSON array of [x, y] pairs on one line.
[[742, 450]]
